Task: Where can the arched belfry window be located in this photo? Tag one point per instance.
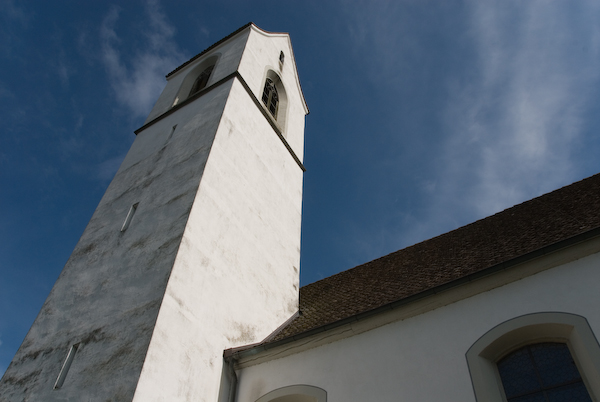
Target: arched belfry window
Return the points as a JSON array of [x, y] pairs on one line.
[[202, 80], [270, 97], [196, 79], [542, 372]]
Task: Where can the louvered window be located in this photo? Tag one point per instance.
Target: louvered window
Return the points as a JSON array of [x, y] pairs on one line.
[[270, 97], [201, 81]]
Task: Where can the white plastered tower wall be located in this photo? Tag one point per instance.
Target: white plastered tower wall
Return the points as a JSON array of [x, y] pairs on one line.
[[210, 259], [249, 201]]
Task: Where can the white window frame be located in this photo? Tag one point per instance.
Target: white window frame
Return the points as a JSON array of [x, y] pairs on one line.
[[302, 393]]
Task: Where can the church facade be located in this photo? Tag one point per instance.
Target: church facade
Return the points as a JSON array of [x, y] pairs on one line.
[[185, 284], [454, 318]]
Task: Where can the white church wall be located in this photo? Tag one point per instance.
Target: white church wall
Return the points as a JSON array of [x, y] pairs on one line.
[[422, 358], [235, 278]]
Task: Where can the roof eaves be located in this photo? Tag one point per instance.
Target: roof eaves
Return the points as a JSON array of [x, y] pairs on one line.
[[253, 349]]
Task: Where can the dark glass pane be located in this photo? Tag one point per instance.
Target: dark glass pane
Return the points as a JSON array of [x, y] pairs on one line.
[[542, 372], [267, 91], [572, 393], [555, 364], [270, 97], [203, 80], [518, 374], [537, 397]]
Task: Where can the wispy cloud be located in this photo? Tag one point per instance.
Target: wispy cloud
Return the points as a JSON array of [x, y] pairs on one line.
[[5, 93], [60, 62], [138, 79], [497, 90], [13, 19], [511, 129], [14, 13], [107, 169], [63, 72]]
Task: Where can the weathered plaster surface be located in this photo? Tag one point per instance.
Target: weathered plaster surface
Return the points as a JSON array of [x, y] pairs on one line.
[[235, 278], [108, 296], [209, 261], [422, 358]]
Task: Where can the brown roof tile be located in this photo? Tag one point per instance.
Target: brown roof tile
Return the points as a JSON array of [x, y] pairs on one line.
[[512, 233]]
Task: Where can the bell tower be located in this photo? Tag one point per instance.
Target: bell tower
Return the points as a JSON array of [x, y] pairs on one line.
[[194, 247]]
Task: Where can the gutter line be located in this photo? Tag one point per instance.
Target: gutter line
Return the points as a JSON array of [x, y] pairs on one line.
[[255, 349], [233, 380]]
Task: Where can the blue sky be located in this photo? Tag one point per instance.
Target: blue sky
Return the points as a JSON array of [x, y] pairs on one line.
[[425, 116]]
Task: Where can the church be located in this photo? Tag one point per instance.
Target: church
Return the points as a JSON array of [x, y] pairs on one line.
[[184, 285]]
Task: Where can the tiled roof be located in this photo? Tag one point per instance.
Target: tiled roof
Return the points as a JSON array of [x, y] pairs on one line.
[[515, 232]]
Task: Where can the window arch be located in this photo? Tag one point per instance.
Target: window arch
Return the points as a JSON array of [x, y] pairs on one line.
[[197, 79], [295, 393], [516, 335]]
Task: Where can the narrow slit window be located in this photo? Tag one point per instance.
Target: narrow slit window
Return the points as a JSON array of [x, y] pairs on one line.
[[171, 133], [129, 217], [65, 367]]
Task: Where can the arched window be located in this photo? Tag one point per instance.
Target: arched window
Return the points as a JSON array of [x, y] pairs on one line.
[[295, 393], [542, 372], [196, 79], [270, 97], [557, 350], [201, 81]]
